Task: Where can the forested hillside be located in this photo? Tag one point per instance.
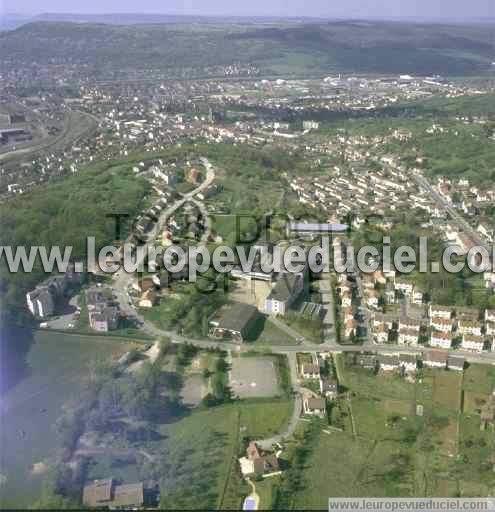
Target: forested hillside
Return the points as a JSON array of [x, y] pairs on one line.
[[365, 47]]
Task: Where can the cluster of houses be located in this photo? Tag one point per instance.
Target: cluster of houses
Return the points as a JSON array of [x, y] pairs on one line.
[[258, 463], [346, 288], [472, 200], [445, 328], [385, 287], [447, 324], [149, 288], [103, 314], [409, 363], [356, 191], [311, 368]]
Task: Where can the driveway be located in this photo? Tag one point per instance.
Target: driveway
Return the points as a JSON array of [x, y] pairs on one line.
[[266, 444]]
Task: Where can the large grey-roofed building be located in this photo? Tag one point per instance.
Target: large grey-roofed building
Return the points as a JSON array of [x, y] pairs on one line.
[[284, 293], [233, 322]]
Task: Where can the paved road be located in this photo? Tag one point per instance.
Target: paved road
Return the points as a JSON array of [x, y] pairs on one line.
[[366, 323], [325, 286], [267, 444], [456, 217]]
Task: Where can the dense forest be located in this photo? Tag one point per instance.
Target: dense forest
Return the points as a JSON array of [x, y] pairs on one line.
[[63, 213]]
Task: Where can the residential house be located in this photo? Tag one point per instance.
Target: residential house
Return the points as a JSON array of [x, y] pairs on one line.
[[348, 314], [373, 299], [408, 336], [310, 370], [349, 328], [258, 463], [486, 231], [468, 314], [379, 278], [417, 297], [406, 287], [441, 339], [379, 318], [106, 493], [193, 176], [440, 312], [314, 406], [472, 342], [367, 361], [104, 318], [328, 388], [381, 333], [103, 315], [409, 324], [490, 328], [148, 299], [467, 327], [442, 324], [390, 294], [144, 284], [346, 300]]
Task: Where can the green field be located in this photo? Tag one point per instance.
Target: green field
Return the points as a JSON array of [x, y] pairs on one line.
[[58, 364], [273, 335], [394, 452]]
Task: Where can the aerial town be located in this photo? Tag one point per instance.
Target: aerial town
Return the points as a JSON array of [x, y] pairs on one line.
[[256, 388]]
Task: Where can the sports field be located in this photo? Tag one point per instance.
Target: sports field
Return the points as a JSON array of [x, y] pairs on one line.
[[254, 377]]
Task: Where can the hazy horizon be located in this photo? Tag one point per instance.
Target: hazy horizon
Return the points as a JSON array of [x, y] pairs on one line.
[[397, 9]]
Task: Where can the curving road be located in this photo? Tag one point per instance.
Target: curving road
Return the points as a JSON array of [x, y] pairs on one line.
[[267, 444], [122, 280]]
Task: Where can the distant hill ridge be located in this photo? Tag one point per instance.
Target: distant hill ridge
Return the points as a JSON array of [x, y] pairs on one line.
[[275, 47]]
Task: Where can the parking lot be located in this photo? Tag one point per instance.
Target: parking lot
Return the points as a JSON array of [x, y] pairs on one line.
[[253, 377], [250, 292]]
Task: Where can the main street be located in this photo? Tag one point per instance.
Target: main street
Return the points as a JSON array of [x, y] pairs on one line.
[[455, 215]]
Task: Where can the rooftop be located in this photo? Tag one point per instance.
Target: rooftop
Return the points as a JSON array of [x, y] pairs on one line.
[[283, 289], [235, 317], [317, 228]]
